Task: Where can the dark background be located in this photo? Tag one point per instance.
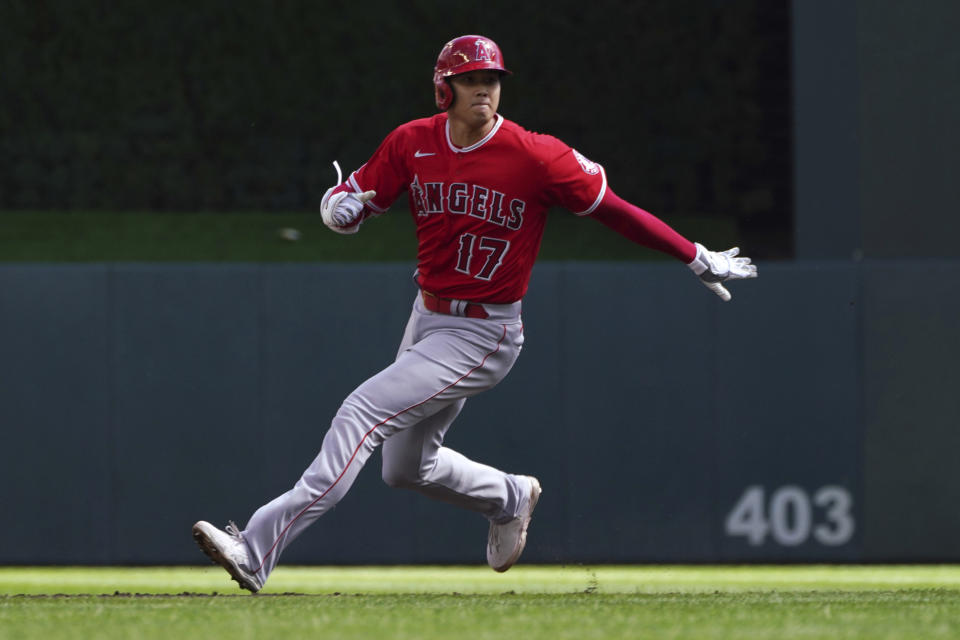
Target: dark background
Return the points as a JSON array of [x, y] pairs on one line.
[[229, 106]]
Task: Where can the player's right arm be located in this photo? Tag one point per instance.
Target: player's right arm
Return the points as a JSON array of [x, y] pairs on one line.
[[369, 190], [343, 210]]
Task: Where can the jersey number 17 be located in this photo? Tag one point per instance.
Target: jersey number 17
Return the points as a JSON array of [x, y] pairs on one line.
[[493, 248]]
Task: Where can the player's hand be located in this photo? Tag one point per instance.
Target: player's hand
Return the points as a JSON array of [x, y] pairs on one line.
[[715, 267], [343, 209]]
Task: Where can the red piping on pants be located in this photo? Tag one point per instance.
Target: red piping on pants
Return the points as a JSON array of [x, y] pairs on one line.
[[363, 439]]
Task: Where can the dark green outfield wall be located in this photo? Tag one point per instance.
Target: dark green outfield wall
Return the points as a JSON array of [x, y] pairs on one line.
[[810, 419]]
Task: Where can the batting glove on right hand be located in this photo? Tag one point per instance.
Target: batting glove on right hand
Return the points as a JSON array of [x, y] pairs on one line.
[[341, 211], [715, 267]]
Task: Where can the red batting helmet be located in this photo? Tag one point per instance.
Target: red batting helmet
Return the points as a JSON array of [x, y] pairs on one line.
[[460, 55]]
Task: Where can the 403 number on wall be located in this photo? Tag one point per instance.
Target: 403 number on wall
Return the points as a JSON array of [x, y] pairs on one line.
[[792, 516]]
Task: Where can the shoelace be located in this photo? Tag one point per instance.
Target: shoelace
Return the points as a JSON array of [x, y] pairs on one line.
[[233, 530]]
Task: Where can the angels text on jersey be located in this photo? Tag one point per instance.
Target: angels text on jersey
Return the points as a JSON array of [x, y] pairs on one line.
[[460, 198]]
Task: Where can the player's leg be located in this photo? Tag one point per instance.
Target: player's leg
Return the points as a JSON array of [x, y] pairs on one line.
[[446, 361], [416, 459]]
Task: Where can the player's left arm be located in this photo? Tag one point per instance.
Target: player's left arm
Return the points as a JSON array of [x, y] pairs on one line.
[[646, 229], [580, 185]]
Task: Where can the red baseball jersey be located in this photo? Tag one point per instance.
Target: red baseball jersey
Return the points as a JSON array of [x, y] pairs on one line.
[[480, 210]]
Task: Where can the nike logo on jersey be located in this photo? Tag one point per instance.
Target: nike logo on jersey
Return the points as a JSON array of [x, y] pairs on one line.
[[421, 154]]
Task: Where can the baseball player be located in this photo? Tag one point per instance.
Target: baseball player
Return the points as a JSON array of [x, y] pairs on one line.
[[479, 189]]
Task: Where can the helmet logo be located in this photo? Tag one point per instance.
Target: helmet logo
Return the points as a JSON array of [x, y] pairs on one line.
[[484, 51]]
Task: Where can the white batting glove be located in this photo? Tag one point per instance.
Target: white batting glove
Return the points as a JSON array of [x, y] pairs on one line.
[[715, 267], [341, 211]]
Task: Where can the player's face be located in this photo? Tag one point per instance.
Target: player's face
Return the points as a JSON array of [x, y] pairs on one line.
[[476, 96]]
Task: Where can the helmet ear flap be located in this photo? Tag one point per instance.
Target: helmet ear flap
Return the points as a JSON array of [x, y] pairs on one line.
[[443, 94]]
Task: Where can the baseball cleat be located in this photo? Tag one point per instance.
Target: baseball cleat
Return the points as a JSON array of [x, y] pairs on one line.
[[228, 550], [506, 541]]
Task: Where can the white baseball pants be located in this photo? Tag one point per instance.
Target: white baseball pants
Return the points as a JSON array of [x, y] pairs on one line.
[[407, 407]]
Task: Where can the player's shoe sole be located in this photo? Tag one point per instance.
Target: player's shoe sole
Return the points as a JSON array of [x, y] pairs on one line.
[[505, 542], [225, 550]]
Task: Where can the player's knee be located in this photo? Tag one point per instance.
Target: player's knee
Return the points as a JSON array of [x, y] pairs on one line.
[[399, 477]]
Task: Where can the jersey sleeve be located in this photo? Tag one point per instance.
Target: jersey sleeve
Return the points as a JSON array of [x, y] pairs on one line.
[[385, 172], [643, 227], [573, 181]]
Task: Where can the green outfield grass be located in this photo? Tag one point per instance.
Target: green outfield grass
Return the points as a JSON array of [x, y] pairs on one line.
[[43, 236], [528, 602]]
